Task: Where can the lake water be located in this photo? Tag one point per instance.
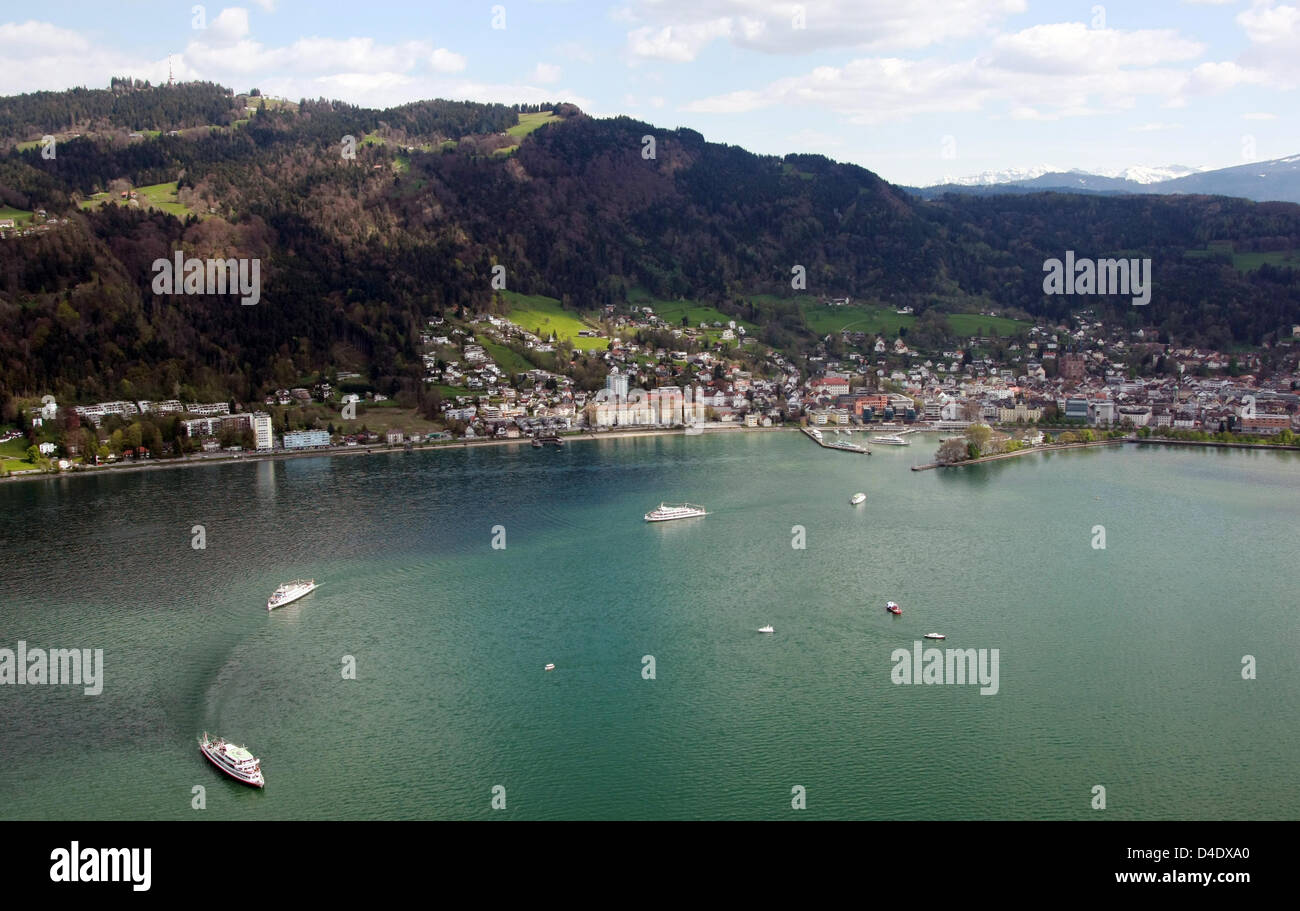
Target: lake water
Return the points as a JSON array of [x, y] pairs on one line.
[[1119, 667]]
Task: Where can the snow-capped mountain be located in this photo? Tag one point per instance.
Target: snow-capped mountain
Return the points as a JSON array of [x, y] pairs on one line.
[[1139, 174], [993, 178], [1152, 175], [1262, 181]]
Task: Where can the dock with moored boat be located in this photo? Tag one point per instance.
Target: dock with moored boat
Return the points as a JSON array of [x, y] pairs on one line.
[[817, 437]]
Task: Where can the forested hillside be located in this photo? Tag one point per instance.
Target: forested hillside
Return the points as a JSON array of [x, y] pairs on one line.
[[356, 252]]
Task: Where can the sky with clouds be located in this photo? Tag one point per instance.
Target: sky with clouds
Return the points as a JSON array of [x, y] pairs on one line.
[[916, 91]]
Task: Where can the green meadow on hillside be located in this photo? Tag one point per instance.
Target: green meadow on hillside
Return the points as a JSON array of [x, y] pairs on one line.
[[13, 455], [161, 196], [543, 315], [20, 216], [883, 320], [529, 122]]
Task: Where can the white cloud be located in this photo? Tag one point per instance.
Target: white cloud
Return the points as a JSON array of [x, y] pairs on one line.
[[229, 26], [1259, 115], [677, 30], [1040, 73], [676, 44], [546, 73], [1273, 30], [1219, 77], [41, 56], [1071, 47], [32, 38], [445, 61]]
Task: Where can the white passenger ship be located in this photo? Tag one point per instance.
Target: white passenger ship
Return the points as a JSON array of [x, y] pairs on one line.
[[235, 761], [290, 591], [665, 513], [892, 440]]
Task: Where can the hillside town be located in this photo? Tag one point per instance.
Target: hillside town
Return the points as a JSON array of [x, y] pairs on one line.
[[661, 376]]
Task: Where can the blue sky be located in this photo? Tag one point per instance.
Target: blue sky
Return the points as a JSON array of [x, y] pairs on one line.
[[916, 91]]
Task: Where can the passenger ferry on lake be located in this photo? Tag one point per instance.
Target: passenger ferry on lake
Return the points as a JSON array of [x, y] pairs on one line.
[[665, 513], [289, 592], [235, 761], [892, 439]]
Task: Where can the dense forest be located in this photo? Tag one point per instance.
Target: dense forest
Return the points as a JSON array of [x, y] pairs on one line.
[[357, 251]]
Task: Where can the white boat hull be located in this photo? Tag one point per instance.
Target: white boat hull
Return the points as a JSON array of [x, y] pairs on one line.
[[253, 779], [291, 598], [665, 513]]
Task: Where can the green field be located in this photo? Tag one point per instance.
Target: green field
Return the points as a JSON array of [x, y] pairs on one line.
[[882, 320], [543, 315], [671, 312], [965, 324], [161, 196], [1249, 262], [1246, 262], [20, 216], [506, 359], [826, 320], [529, 122], [13, 455]]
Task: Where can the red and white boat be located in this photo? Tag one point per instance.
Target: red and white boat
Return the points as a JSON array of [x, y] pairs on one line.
[[893, 608], [235, 761]]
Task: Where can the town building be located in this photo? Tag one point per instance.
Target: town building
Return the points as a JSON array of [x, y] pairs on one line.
[[305, 439]]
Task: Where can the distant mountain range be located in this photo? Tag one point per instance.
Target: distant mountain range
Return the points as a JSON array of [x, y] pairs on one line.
[[1263, 181], [1056, 175]]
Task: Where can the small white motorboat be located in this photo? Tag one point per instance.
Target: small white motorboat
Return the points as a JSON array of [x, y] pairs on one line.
[[766, 629], [935, 636], [858, 499], [549, 667]]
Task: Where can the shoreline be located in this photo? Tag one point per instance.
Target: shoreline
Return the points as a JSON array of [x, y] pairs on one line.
[[999, 456], [379, 448], [1211, 444], [577, 436], [1216, 444]]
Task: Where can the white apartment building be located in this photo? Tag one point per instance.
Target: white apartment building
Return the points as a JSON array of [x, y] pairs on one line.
[[262, 436]]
